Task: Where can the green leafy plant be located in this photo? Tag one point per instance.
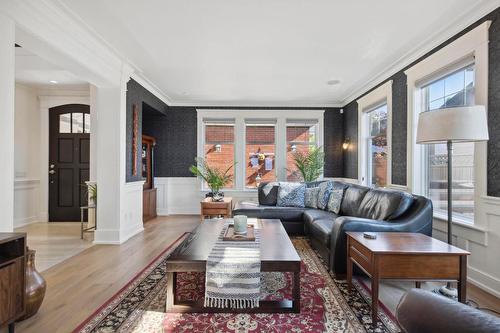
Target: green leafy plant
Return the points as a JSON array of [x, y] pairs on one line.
[[309, 163], [91, 192], [215, 177]]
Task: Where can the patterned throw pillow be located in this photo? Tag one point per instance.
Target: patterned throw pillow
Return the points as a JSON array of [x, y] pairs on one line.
[[336, 197], [311, 199], [325, 188], [291, 194]]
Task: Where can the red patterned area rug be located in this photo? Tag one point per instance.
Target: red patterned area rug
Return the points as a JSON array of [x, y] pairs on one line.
[[326, 306]]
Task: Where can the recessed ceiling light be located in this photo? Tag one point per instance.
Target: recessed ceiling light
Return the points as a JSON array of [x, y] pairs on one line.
[[332, 82], [53, 81]]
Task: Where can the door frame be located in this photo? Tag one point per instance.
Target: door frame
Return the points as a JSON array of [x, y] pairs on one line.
[[47, 102]]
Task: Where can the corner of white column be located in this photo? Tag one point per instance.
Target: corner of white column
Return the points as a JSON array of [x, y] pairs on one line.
[[7, 98]]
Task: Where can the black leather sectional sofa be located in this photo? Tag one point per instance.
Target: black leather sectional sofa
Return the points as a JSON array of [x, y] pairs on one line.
[[362, 209]]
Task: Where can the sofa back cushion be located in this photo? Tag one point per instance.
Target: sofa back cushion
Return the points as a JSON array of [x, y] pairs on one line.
[[379, 204], [268, 193], [353, 195], [291, 194]]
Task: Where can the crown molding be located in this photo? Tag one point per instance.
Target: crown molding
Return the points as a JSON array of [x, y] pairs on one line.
[[462, 22], [152, 88], [276, 104]]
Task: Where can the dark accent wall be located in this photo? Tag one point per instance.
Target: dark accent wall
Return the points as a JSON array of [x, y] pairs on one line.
[[399, 109], [138, 95], [176, 140], [351, 133], [333, 137], [175, 132]]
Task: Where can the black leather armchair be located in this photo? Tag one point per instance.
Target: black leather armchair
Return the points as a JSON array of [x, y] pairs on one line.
[[418, 218], [421, 311]]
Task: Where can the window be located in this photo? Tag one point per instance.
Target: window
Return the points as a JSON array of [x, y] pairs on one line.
[[260, 150], [377, 146], [300, 137], [74, 123], [453, 90], [259, 141], [219, 146]]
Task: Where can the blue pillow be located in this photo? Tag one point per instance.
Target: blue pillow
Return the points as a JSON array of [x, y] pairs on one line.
[[325, 188], [336, 197], [311, 198], [291, 194]]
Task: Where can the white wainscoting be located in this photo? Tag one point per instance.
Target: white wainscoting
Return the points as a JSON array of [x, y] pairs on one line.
[[182, 195], [131, 210], [26, 201]]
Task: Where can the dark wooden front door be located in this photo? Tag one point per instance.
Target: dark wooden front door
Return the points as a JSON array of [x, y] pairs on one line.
[[69, 155]]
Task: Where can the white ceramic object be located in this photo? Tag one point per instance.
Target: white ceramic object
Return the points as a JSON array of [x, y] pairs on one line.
[[240, 224]]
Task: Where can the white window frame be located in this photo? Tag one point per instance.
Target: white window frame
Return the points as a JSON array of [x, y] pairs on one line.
[[378, 97], [473, 44], [281, 117]]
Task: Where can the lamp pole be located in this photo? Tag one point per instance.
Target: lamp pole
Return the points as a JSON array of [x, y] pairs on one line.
[[449, 147]]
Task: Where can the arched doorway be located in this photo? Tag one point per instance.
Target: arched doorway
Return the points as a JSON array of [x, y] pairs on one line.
[[69, 156]]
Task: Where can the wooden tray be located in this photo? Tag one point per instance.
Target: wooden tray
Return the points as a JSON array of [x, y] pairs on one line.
[[231, 236]]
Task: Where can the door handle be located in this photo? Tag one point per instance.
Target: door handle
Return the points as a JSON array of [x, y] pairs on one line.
[[52, 172]]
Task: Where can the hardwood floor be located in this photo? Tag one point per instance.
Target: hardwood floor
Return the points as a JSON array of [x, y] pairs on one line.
[[55, 242], [80, 285]]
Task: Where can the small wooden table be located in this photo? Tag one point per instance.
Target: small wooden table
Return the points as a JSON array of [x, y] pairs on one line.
[[405, 256], [216, 208], [277, 254]]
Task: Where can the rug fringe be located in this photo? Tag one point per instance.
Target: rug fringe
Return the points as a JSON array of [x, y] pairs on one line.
[[216, 302]]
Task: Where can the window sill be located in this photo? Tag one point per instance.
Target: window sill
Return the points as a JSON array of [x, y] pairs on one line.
[[464, 229]]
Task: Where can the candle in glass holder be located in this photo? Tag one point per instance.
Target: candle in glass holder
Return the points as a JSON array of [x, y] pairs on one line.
[[240, 224]]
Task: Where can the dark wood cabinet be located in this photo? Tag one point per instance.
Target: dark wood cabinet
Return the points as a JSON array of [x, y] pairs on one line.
[[147, 170], [12, 277]]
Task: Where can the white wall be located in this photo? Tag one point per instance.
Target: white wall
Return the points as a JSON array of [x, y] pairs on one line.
[[26, 156]]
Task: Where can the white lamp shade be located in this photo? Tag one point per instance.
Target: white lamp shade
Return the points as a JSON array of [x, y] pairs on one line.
[[460, 124]]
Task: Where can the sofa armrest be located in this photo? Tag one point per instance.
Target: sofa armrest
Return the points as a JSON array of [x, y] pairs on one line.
[[338, 241], [441, 315]]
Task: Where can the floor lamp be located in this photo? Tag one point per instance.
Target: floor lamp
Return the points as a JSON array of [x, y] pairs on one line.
[[460, 124]]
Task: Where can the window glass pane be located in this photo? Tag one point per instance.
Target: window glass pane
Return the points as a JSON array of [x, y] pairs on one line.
[[260, 153], [377, 146], [436, 90], [87, 122], [454, 83], [219, 148], [459, 91], [299, 138], [65, 123], [77, 123]]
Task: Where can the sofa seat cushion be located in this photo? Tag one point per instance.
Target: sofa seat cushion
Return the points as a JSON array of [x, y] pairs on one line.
[[321, 230], [253, 209], [310, 215], [380, 204]]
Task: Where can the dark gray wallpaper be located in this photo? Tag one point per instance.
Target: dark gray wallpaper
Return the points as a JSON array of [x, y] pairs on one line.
[[400, 113], [399, 130], [351, 134], [136, 94], [333, 138]]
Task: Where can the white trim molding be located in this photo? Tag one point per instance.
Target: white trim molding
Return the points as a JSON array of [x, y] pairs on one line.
[[379, 96]]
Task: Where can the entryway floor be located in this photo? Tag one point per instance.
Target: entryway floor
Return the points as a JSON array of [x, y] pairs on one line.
[[55, 242]]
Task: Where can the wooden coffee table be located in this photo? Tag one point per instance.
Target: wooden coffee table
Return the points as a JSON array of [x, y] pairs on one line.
[[405, 256], [277, 255]]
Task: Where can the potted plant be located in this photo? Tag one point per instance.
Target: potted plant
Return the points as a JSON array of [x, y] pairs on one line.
[[216, 178], [309, 163]]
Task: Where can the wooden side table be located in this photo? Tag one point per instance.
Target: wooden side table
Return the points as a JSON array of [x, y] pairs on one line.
[[88, 209], [216, 208], [405, 256]]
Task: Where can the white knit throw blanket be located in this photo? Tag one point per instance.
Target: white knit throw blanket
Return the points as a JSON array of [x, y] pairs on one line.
[[233, 273]]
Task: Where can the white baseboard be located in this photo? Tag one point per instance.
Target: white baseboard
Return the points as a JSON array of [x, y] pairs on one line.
[[484, 281], [18, 223]]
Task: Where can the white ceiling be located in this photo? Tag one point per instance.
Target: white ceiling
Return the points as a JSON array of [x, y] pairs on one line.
[[273, 52], [34, 71]]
